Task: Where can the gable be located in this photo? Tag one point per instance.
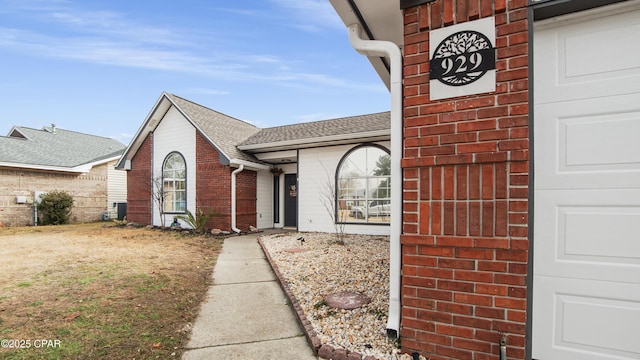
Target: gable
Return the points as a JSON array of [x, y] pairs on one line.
[[173, 132], [221, 131], [16, 134]]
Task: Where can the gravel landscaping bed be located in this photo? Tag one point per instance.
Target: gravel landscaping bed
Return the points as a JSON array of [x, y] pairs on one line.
[[317, 267]]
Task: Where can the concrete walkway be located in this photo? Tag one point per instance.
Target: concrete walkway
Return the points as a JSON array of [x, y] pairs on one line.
[[246, 315]]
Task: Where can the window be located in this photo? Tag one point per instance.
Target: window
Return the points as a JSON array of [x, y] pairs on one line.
[[174, 182], [363, 186]]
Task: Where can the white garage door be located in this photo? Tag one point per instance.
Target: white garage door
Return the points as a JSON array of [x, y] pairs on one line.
[[586, 286]]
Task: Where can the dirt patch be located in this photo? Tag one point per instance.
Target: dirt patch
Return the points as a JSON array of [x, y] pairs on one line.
[[102, 291]]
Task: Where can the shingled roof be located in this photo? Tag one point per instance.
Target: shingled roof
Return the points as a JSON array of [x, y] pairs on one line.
[[317, 130], [55, 149], [224, 131], [238, 140]]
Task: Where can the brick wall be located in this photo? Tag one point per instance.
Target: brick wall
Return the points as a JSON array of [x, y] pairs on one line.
[[465, 173], [246, 186], [139, 200], [213, 188], [89, 192]]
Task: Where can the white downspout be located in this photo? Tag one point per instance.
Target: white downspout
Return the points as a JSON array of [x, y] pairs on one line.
[[392, 51], [233, 198]]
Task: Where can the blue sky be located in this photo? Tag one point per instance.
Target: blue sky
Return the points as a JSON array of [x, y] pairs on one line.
[[99, 66]]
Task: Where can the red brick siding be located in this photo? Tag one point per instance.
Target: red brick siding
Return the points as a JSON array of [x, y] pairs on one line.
[[139, 201], [213, 188], [465, 199], [246, 213], [213, 184]]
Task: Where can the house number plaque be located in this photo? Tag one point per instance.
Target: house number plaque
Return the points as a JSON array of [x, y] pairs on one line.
[[463, 59]]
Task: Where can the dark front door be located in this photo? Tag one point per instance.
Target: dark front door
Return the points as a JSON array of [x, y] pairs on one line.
[[290, 200]]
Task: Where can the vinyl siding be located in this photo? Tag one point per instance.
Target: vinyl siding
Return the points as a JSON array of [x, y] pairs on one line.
[[116, 184], [264, 201], [316, 167], [116, 188], [175, 133]]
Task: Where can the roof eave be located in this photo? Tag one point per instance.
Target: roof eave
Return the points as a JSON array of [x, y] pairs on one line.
[[250, 165], [41, 167], [380, 19], [340, 139], [81, 168], [100, 162]]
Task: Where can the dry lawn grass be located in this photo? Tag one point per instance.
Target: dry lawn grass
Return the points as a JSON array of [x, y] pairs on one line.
[[103, 291]]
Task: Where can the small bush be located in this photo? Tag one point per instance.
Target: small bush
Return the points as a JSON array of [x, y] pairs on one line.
[[198, 223], [55, 207]]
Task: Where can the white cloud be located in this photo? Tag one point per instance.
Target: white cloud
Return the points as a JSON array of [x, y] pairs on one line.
[[110, 38], [110, 51], [223, 66]]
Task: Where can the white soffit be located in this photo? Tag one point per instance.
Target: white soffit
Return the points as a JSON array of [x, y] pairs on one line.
[[384, 20]]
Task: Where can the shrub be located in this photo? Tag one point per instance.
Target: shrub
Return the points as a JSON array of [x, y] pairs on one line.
[[55, 207], [198, 222]]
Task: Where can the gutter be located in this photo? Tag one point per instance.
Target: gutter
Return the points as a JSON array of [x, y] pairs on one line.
[[241, 164], [233, 198], [250, 165], [80, 169], [312, 142], [389, 49], [77, 169]]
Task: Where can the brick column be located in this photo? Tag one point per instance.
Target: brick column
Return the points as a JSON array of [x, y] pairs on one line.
[[139, 184], [466, 174], [213, 184], [246, 213]]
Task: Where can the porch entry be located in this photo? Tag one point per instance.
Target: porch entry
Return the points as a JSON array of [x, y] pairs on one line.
[[291, 200]]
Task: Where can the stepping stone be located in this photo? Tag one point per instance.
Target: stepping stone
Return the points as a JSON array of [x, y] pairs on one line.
[[347, 300]]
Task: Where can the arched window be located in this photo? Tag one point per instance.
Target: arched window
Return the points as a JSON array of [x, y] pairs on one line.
[[174, 183], [363, 182]]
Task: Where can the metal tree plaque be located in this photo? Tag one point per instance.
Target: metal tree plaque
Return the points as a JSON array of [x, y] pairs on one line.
[[463, 60]]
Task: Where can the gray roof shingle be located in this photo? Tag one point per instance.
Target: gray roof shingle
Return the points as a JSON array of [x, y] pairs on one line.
[[239, 140], [63, 148], [319, 129], [223, 130]]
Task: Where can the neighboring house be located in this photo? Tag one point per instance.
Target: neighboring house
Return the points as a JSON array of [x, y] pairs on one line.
[[34, 162], [203, 160], [521, 190]]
